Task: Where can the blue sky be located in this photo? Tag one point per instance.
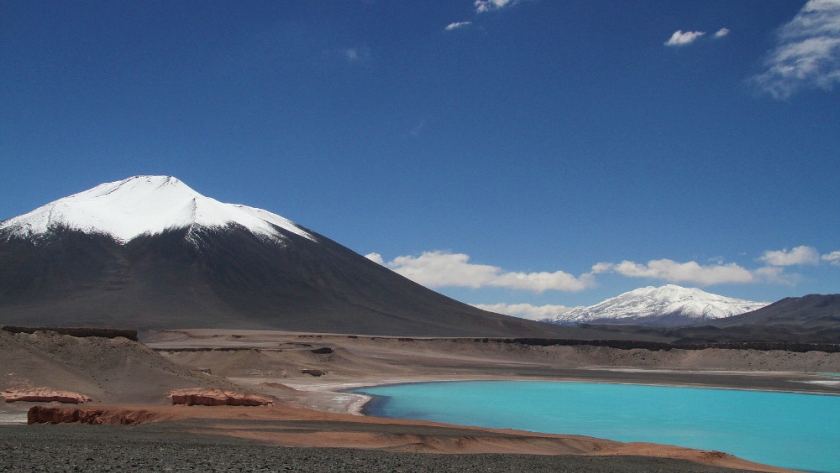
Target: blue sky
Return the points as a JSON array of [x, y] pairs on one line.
[[515, 152]]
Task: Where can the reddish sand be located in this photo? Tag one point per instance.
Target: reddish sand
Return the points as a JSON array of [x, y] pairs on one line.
[[282, 426]]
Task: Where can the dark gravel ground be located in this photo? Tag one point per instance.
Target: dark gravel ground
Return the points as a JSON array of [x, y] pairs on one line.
[[157, 447]]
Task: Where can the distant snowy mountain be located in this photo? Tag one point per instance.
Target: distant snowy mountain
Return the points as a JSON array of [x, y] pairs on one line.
[[668, 306], [145, 205]]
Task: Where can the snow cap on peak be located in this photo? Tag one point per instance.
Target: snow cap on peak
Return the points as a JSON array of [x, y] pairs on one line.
[[145, 205], [650, 301]]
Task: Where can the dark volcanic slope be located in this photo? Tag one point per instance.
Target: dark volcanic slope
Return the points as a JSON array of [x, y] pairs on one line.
[[814, 318], [227, 279], [809, 311]]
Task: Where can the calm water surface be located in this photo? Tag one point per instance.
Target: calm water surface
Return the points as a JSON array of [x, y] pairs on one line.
[[798, 431]]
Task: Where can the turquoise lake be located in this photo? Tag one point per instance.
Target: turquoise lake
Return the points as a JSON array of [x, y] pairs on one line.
[[798, 431]]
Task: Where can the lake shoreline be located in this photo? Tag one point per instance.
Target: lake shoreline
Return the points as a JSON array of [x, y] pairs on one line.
[[360, 407], [773, 382], [634, 413]]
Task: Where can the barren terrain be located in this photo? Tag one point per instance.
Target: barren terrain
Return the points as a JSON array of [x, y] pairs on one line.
[[271, 362], [130, 382]]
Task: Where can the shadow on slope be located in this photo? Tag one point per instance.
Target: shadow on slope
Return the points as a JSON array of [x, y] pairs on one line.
[[229, 279]]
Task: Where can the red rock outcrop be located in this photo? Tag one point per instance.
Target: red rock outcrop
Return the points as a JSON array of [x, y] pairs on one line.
[[217, 397], [84, 415], [43, 395]]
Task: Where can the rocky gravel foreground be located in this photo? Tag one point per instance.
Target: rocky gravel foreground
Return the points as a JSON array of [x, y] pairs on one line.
[[65, 448]]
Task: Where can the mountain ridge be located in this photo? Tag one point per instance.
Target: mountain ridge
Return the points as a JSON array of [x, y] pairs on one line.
[[809, 319], [668, 306], [60, 269]]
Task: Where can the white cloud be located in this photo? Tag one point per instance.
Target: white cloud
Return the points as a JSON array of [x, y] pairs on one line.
[[482, 6], [807, 53], [681, 39], [599, 268], [525, 311], [721, 32], [457, 24], [796, 256], [441, 269], [375, 257], [775, 275], [833, 258], [539, 282], [672, 271]]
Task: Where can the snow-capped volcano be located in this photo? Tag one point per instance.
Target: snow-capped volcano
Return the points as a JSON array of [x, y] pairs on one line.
[[669, 305], [148, 252], [145, 205]]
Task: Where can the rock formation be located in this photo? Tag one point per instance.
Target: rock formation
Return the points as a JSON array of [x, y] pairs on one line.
[[43, 395], [83, 415], [217, 397]]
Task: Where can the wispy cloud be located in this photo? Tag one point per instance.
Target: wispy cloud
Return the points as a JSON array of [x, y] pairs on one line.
[[682, 39], [482, 6], [351, 56], [721, 33], [457, 24], [525, 311], [418, 128], [797, 256], [672, 271], [441, 269], [807, 54], [356, 55], [833, 258]]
